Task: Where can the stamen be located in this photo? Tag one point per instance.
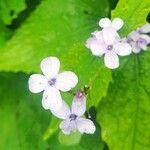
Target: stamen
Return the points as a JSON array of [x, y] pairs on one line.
[[52, 81], [73, 117], [141, 41], [109, 47]]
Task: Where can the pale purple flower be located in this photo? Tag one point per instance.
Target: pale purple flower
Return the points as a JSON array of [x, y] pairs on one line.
[[52, 83], [72, 117], [108, 43], [138, 39]]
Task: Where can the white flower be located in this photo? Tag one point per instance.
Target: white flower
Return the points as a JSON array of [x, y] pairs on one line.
[[72, 118], [108, 43], [51, 82], [138, 39], [116, 24]]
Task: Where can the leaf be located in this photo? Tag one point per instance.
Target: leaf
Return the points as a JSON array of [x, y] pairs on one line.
[[72, 139], [133, 13], [52, 129], [124, 112], [5, 34], [9, 9], [60, 29], [23, 120]]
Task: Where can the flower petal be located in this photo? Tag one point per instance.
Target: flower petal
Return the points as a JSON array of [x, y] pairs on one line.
[[63, 112], [111, 60], [68, 126], [50, 66], [145, 37], [136, 49], [122, 48], [89, 42], [117, 23], [79, 105], [145, 28], [85, 126], [97, 48], [105, 22], [51, 99], [98, 35], [66, 81], [37, 83], [109, 35], [134, 35]]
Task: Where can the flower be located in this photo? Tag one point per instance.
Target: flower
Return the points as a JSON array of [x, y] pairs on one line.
[[116, 24], [72, 118], [108, 43], [51, 82], [138, 39]]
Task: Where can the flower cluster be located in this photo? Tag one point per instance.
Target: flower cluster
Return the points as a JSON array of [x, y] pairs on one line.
[[51, 83], [107, 41]]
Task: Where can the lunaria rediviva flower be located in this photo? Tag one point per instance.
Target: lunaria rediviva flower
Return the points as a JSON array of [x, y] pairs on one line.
[[138, 38], [108, 43], [52, 83], [72, 117]]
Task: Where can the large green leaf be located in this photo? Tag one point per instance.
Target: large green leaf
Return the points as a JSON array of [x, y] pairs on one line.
[[9, 9], [23, 120], [124, 112], [132, 12], [5, 34], [72, 139], [60, 28]]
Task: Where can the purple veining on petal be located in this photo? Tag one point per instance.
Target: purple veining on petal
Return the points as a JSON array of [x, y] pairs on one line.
[[141, 41]]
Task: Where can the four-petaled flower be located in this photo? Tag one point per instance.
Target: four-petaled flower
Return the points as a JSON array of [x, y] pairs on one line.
[[51, 82], [72, 118], [108, 43], [138, 39]]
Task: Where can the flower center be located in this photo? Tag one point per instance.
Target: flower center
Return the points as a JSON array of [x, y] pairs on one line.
[[141, 41], [52, 81], [109, 47], [72, 117]]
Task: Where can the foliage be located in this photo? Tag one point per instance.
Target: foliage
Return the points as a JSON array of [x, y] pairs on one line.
[[123, 113], [30, 31]]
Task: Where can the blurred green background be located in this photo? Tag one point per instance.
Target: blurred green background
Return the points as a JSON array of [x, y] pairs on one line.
[[119, 101]]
